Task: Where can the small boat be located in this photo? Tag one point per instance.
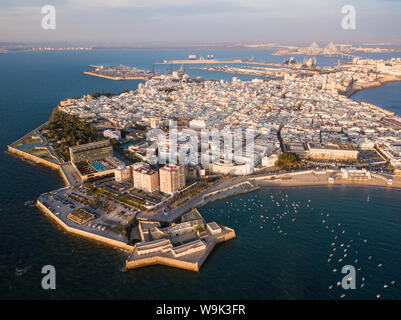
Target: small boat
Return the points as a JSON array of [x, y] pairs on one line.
[[29, 203], [21, 271]]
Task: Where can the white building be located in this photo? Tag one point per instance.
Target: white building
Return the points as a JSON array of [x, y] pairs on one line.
[[269, 161], [214, 228], [123, 174], [197, 124], [112, 134]]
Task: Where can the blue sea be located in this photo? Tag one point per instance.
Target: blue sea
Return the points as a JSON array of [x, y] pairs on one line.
[[284, 235]]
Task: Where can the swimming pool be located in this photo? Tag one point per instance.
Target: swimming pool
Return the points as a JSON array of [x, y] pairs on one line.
[[27, 146], [98, 166]]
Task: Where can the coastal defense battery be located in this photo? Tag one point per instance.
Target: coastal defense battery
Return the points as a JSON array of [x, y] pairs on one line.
[[91, 151]]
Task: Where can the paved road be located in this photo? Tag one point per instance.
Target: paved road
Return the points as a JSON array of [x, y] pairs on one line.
[[194, 202], [71, 174]]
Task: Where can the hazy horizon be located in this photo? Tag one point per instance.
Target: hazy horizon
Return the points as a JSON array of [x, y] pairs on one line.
[[124, 22]]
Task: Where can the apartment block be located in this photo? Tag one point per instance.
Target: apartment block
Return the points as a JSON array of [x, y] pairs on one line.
[[172, 178]]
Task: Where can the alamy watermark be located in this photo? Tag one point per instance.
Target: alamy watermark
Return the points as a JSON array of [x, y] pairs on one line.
[[49, 280], [202, 146], [49, 20], [348, 281], [349, 20]]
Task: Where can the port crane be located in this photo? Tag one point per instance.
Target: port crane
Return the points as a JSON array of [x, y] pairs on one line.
[[181, 70]]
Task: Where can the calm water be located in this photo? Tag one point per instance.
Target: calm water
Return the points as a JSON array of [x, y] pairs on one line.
[[261, 263], [387, 96]]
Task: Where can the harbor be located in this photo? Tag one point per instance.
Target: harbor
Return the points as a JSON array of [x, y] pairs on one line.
[[119, 73]]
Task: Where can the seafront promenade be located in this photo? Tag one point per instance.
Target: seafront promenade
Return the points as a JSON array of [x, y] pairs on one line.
[[224, 189], [316, 178]]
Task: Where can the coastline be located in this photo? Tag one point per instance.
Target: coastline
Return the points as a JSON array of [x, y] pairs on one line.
[[303, 179], [115, 78], [373, 84], [92, 236], [299, 179], [35, 159]]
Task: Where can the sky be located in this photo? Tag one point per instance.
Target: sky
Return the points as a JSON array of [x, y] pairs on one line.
[[131, 22]]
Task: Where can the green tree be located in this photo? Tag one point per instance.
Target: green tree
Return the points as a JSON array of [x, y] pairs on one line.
[[288, 160]]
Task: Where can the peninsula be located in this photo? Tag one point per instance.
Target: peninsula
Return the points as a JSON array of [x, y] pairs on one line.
[[305, 129]]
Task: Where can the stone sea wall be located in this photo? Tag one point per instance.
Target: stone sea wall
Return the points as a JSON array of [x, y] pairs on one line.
[[107, 241]]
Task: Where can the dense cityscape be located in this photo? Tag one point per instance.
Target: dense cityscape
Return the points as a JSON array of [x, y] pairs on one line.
[[138, 164], [198, 158]]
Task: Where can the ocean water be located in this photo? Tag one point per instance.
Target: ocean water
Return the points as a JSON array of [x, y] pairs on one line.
[[387, 96], [261, 263]]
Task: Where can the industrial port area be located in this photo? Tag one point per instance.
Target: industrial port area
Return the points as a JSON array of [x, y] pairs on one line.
[[119, 72]]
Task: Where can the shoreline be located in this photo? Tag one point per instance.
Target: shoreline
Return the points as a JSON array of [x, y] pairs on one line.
[[38, 160], [308, 178], [374, 84], [82, 233], [114, 77]]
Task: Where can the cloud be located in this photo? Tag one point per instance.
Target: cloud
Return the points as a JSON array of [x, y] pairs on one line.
[[176, 20]]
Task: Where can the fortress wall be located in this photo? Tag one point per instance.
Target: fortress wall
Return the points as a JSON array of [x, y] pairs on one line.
[[107, 241], [30, 157], [191, 266]]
